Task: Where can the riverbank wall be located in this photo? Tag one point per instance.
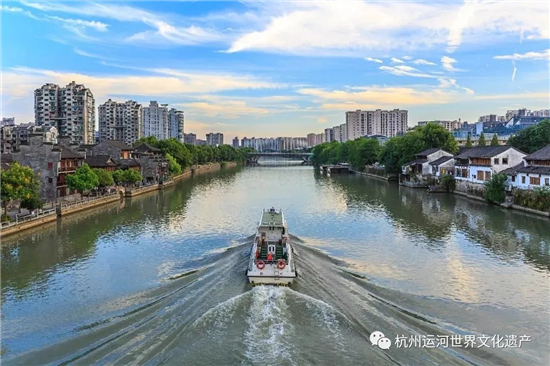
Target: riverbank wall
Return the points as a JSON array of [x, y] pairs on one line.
[[67, 209]]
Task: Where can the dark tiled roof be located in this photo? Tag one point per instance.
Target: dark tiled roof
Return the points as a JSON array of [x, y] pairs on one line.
[[428, 151], [417, 161], [481, 151], [145, 147], [513, 170], [441, 160], [129, 162], [99, 161], [533, 169], [542, 154], [67, 153], [119, 145]]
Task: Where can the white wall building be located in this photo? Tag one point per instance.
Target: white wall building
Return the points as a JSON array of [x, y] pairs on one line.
[[478, 164], [120, 121], [214, 139], [190, 138], [155, 120], [176, 124], [70, 109], [532, 172]]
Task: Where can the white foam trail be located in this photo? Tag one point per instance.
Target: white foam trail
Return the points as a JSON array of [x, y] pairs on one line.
[[220, 314], [269, 331]]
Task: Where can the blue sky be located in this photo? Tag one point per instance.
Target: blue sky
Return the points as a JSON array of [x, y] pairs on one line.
[[287, 68]]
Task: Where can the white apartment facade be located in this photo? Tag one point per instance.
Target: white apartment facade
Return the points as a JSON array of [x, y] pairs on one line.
[[70, 109], [177, 121], [448, 125], [311, 140], [190, 138], [120, 121], [214, 139], [155, 120], [329, 135], [379, 122]]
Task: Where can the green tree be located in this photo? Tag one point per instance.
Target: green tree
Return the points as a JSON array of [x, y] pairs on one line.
[[32, 203], [448, 182], [494, 140], [104, 177], [469, 141], [363, 151], [481, 141], [18, 182], [150, 140], [132, 176], [532, 138], [173, 167], [494, 188], [438, 136], [84, 179], [118, 176]]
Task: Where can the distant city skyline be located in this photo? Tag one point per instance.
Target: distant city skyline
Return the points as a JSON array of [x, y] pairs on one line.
[[233, 67]]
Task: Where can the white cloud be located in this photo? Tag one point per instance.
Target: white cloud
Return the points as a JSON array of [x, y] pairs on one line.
[[406, 58], [403, 70], [421, 61], [514, 71], [321, 120], [10, 9], [79, 23], [338, 28], [377, 60], [447, 63], [396, 60], [460, 23], [543, 55], [162, 29], [451, 83]]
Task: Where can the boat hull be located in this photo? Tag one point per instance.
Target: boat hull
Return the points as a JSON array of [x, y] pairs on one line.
[[276, 281]]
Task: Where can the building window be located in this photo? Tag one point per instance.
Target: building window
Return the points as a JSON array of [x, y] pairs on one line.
[[474, 176], [50, 180], [523, 180], [505, 161], [495, 161], [50, 166], [547, 181], [513, 178], [534, 181], [487, 175]]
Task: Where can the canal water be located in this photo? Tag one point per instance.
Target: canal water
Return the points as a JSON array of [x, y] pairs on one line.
[[160, 278]]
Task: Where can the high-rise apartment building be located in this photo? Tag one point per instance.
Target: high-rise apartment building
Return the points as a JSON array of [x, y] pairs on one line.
[[329, 135], [311, 140], [379, 122], [214, 139], [449, 125], [71, 110], [176, 124], [319, 138], [155, 120], [236, 142], [120, 121], [190, 138]]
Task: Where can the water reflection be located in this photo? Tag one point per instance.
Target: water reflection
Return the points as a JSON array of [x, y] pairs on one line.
[[506, 234]]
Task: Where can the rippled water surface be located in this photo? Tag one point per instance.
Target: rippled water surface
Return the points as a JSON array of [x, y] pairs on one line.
[[159, 279]]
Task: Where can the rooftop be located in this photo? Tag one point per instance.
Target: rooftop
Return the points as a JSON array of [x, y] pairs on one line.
[[481, 151], [428, 151], [542, 154], [145, 147], [67, 153], [441, 160], [99, 161], [272, 218], [417, 161], [119, 144]]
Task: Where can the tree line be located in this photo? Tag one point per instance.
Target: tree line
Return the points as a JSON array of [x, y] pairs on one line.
[[392, 155], [181, 155]]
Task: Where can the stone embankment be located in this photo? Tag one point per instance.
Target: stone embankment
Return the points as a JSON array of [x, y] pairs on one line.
[[64, 209]]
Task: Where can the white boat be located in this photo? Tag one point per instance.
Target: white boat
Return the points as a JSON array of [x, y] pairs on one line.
[[271, 261]]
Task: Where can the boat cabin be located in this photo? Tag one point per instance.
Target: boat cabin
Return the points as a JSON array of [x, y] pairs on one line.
[[272, 236]]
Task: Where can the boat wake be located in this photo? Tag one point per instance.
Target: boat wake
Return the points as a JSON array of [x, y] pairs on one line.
[[209, 315]]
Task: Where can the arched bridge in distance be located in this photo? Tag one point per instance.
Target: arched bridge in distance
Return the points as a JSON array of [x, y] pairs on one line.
[[255, 156]]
